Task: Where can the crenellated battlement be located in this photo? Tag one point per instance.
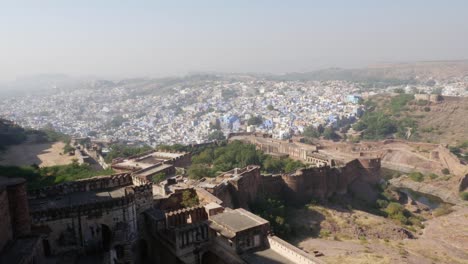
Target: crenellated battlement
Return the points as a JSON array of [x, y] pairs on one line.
[[95, 183], [185, 216], [137, 181], [95, 209], [143, 188]]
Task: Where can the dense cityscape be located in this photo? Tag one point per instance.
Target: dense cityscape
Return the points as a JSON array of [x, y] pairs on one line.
[[234, 132], [188, 110]]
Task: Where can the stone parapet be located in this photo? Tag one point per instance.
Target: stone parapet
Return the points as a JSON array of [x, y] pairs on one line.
[[95, 183]]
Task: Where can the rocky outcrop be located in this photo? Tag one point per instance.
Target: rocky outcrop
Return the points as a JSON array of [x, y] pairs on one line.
[[446, 194]]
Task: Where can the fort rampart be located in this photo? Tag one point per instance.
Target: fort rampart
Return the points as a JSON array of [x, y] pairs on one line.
[[291, 252], [95, 183]]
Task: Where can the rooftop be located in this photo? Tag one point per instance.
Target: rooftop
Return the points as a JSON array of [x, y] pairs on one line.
[[152, 171], [237, 220], [148, 160]]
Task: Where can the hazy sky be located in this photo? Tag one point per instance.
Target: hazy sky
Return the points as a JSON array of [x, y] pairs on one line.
[[156, 38]]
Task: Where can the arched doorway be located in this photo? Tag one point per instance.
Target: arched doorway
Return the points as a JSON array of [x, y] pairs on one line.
[[46, 246], [143, 247], [106, 237]]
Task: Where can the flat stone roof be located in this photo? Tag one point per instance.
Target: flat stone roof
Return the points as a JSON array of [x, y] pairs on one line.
[[238, 220], [154, 170], [212, 206], [76, 198], [148, 160]]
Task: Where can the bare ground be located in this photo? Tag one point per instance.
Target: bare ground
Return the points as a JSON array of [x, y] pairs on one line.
[[443, 240], [45, 154]]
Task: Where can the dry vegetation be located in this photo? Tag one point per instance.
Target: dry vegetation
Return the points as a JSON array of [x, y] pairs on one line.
[[436, 122], [349, 236]]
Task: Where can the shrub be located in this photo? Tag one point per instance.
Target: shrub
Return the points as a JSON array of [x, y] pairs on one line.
[[399, 102], [255, 121], [198, 171], [325, 233], [422, 102], [216, 135], [400, 217], [416, 176], [433, 176], [442, 210], [394, 208], [159, 177], [464, 196], [415, 221], [445, 171], [382, 203], [427, 109], [189, 200]]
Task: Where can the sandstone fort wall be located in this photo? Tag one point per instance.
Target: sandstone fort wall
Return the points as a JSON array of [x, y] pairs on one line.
[[95, 183], [6, 232]]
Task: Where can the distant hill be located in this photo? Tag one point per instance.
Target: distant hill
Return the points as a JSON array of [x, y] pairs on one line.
[[389, 73]]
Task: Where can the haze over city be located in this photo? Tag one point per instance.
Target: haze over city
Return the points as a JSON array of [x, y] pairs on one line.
[[121, 39], [234, 132]]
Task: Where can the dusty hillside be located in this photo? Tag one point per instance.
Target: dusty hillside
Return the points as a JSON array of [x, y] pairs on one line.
[[353, 236], [389, 73], [440, 70], [444, 122]]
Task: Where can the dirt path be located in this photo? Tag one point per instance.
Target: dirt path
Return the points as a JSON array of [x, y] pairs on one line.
[[46, 154]]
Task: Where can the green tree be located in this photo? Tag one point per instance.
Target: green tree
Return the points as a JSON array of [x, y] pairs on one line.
[[198, 171], [123, 151], [329, 133], [273, 165], [205, 157], [159, 177], [189, 199], [311, 131], [255, 121], [275, 212], [376, 125], [216, 135], [398, 102], [292, 165], [270, 107]]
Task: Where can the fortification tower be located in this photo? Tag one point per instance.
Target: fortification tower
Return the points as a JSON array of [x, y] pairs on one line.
[[371, 168], [18, 206]]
